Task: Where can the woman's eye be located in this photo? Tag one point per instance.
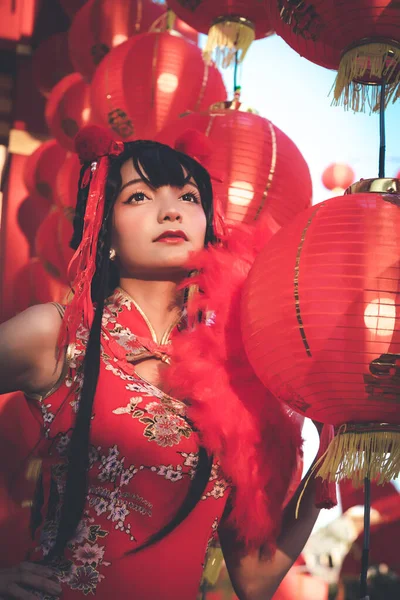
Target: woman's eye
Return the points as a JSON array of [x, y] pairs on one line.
[[137, 197], [191, 197]]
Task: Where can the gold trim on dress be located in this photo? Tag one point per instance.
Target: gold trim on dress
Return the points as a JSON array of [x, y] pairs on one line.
[[166, 335]]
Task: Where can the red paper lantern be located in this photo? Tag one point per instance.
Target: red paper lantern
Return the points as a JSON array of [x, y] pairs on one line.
[[41, 169], [188, 32], [52, 245], [101, 25], [232, 25], [31, 213], [51, 63], [71, 7], [67, 185], [144, 83], [68, 109], [362, 43], [321, 327], [254, 158], [34, 285], [338, 175]]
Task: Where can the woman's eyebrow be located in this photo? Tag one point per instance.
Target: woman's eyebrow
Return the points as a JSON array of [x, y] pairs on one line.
[[133, 181]]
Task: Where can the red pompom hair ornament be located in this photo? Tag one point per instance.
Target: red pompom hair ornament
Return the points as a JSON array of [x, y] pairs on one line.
[[321, 326]]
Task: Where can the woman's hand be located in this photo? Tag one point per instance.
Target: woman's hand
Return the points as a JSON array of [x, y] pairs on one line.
[[14, 582]]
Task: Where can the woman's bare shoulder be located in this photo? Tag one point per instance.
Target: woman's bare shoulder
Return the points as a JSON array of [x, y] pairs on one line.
[[28, 347]]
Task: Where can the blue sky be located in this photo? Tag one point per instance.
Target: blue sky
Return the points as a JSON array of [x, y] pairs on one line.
[[293, 93]]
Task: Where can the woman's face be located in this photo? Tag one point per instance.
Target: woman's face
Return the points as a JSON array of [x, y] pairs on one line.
[[154, 230]]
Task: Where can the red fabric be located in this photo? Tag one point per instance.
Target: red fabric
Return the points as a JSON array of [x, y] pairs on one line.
[[142, 85], [330, 337], [50, 62], [322, 30], [101, 25], [202, 13], [68, 109], [41, 169], [247, 428], [338, 175], [253, 158], [142, 458]]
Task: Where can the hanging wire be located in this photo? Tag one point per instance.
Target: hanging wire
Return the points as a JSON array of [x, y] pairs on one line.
[[365, 552], [235, 72], [382, 132]]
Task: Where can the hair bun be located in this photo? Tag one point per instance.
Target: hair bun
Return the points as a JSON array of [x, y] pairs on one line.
[[93, 141], [196, 144]]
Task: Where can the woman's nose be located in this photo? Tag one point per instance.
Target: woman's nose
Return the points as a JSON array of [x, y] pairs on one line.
[[170, 213]]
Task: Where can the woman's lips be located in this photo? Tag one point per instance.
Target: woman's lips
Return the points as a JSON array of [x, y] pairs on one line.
[[172, 237]]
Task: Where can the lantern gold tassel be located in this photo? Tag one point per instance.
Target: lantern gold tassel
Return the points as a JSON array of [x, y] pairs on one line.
[[361, 69], [227, 36], [33, 469], [360, 451]]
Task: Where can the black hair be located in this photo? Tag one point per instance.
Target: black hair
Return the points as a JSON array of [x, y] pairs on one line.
[[158, 165]]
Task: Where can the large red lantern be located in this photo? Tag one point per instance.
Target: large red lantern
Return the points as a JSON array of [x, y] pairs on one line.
[[51, 63], [34, 285], [362, 43], [253, 158], [149, 80], [67, 185], [71, 7], [321, 327], [52, 244], [41, 169], [232, 25], [31, 213], [68, 109], [338, 175], [101, 25]]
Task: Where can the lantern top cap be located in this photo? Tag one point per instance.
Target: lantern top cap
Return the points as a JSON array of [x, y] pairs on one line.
[[386, 185]]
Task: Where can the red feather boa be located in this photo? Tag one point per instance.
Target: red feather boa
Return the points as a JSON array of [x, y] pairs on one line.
[[239, 420]]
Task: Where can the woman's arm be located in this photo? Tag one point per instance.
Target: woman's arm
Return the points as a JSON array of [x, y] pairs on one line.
[[28, 355], [255, 576]]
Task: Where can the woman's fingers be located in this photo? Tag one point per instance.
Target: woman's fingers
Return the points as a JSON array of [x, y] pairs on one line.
[[29, 576], [15, 591]]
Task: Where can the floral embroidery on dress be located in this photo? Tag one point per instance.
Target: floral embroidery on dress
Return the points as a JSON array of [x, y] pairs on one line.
[[163, 425]]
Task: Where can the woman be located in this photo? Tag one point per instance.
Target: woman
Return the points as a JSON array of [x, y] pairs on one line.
[[135, 482]]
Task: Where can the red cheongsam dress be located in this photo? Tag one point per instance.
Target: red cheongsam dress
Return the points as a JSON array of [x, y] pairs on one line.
[[142, 457]]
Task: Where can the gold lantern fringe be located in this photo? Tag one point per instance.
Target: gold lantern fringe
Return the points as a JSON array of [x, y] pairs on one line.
[[227, 36], [357, 452], [367, 60], [33, 469]]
